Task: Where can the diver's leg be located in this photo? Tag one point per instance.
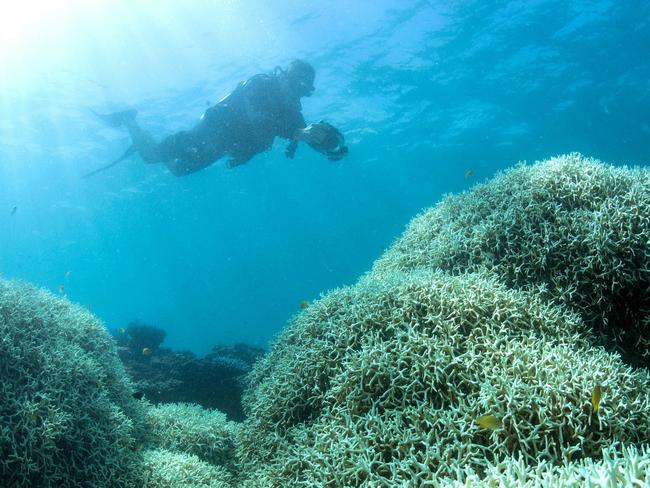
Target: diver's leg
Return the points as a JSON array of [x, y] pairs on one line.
[[189, 151], [183, 167], [188, 159], [117, 119], [143, 142]]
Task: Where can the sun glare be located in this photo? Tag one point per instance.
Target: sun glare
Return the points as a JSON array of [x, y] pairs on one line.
[[41, 37], [24, 22], [28, 30]]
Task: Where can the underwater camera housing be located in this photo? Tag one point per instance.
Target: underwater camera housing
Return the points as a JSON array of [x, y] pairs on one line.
[[327, 140]]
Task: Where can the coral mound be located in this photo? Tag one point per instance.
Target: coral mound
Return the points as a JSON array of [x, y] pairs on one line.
[[190, 447], [190, 429], [388, 392], [167, 469], [67, 417], [494, 303], [571, 225]]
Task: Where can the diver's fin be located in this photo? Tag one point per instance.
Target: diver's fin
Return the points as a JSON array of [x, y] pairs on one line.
[[126, 154], [117, 119]]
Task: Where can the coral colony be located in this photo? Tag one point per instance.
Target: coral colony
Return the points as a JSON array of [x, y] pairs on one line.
[[503, 339]]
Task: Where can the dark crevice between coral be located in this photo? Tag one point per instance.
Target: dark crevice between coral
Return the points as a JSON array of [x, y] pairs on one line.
[[625, 329], [162, 375]]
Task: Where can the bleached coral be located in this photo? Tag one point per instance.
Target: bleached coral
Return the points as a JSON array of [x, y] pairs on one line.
[[490, 304], [192, 429], [67, 417], [165, 469], [627, 466], [386, 391], [572, 226]]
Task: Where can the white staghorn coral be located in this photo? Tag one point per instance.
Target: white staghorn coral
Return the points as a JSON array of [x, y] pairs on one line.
[[489, 304]]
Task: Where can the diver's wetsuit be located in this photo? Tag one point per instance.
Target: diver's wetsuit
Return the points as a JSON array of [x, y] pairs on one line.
[[241, 125]]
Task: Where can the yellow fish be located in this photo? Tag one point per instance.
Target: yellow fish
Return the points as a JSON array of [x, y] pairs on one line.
[[468, 174], [488, 422], [304, 304], [596, 395], [146, 351], [121, 330]]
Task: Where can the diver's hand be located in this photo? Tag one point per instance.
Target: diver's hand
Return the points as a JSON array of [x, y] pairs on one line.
[[290, 150]]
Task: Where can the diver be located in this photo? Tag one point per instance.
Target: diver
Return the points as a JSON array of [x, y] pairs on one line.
[[241, 125]]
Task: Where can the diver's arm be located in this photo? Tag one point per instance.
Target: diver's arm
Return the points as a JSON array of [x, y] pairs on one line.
[[302, 134], [296, 136]]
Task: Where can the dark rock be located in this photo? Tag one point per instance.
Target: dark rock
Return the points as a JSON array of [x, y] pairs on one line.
[[165, 376]]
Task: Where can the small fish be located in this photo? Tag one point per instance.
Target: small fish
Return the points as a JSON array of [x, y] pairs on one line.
[[596, 395], [14, 210], [68, 274], [137, 395], [146, 351], [468, 174], [121, 330], [488, 422], [92, 328], [62, 289], [304, 304]]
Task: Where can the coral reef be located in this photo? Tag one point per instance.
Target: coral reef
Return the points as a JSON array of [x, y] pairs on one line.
[[496, 302], [468, 356], [67, 417]]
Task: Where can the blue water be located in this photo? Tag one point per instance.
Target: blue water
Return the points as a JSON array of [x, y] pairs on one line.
[[424, 92]]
